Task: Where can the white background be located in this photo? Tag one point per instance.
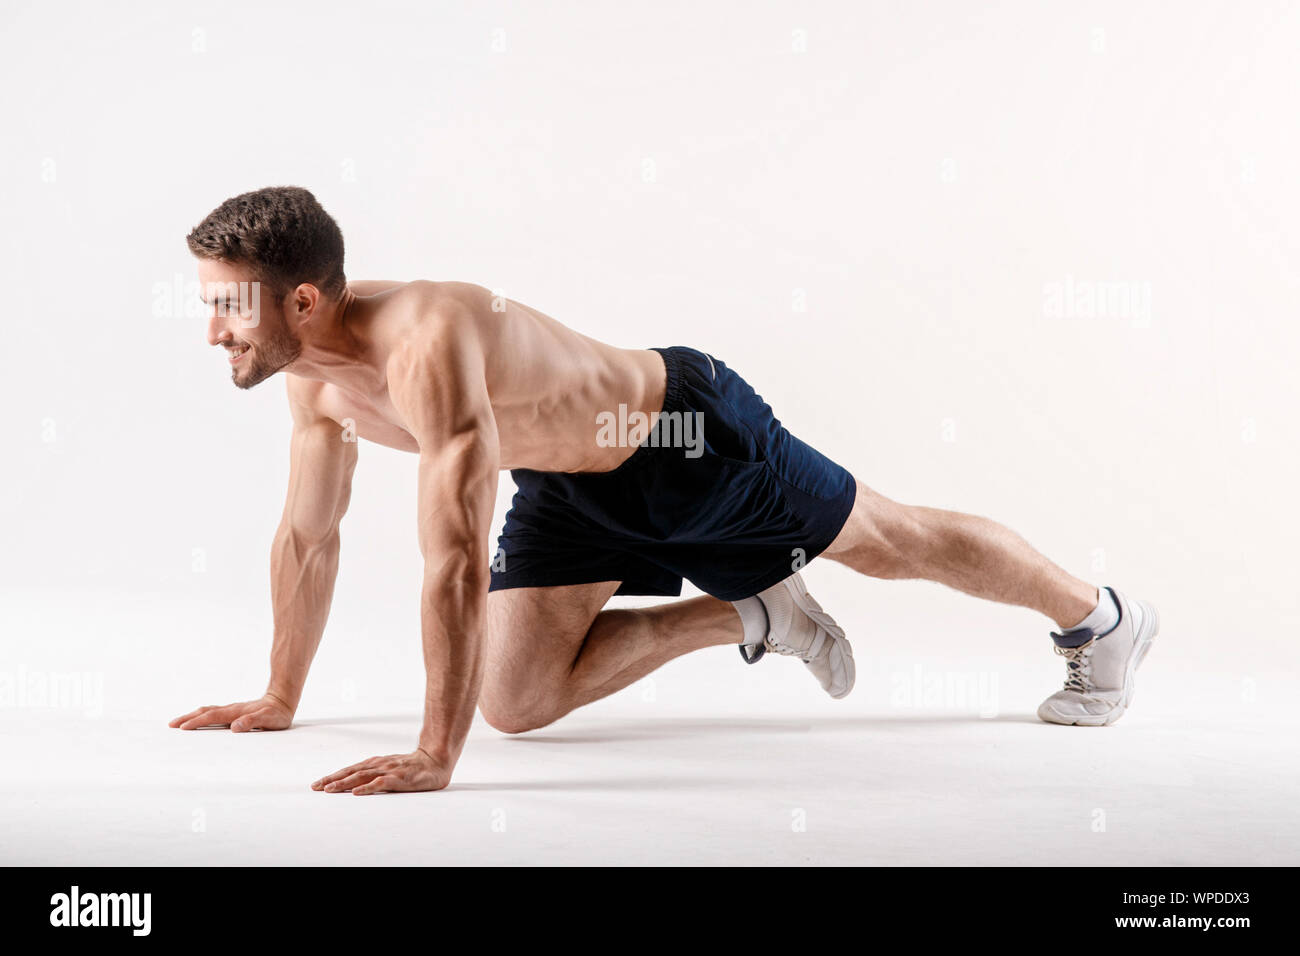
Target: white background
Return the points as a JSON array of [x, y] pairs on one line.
[[861, 208]]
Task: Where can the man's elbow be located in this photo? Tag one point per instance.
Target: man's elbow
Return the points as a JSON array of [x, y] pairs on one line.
[[458, 575], [306, 540]]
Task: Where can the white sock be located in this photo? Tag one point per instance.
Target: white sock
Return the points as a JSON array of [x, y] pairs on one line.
[[1103, 618], [753, 618]]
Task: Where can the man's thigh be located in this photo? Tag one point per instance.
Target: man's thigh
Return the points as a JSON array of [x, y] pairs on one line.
[[533, 637]]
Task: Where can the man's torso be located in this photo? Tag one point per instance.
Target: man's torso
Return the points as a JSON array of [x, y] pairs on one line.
[[547, 383]]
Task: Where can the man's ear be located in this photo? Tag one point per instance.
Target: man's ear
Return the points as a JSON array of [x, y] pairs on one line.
[[303, 302]]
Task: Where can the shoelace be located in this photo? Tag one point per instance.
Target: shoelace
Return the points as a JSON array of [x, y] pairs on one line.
[[808, 656], [813, 649], [1078, 663], [785, 649]]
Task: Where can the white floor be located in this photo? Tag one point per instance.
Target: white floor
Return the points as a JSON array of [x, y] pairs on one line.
[[935, 759]]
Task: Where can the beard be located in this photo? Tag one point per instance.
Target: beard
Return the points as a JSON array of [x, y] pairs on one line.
[[266, 359]]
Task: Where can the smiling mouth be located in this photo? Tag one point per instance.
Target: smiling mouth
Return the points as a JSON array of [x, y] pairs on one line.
[[236, 353]]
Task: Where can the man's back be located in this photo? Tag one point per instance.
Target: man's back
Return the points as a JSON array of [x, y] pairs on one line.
[[547, 384]]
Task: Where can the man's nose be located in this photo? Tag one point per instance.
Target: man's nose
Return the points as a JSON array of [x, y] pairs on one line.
[[217, 331]]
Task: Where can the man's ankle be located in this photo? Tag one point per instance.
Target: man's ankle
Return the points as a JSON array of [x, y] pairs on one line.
[[753, 620]]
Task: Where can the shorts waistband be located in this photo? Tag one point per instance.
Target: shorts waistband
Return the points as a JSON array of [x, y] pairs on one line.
[[674, 401], [674, 385]]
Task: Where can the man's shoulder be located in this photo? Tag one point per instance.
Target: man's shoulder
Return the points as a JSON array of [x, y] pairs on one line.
[[305, 398], [451, 302], [438, 320], [441, 293]]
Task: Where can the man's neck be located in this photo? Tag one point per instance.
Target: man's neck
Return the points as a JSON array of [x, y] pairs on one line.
[[332, 349]]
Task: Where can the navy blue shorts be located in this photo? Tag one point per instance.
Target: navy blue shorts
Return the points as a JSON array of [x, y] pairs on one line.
[[719, 493]]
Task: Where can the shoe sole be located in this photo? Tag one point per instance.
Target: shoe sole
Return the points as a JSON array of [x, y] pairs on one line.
[[805, 602], [1137, 654]]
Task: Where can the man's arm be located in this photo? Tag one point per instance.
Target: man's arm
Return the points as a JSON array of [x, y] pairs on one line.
[[438, 387], [304, 563]]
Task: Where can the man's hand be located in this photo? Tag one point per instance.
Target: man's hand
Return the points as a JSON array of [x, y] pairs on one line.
[[396, 772], [268, 713]]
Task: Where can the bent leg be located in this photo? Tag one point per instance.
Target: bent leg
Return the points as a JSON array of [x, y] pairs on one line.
[[552, 649], [885, 539]]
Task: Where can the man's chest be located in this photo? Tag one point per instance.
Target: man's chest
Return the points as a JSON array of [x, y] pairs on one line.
[[370, 417]]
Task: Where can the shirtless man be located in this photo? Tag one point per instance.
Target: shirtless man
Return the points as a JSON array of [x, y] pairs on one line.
[[716, 492]]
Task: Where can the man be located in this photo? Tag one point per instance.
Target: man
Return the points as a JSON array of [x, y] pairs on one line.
[[635, 469]]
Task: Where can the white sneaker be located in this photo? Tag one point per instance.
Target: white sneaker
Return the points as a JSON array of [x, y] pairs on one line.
[[1099, 673], [797, 626]]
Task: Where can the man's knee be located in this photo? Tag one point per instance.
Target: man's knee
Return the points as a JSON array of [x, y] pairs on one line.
[[533, 637], [882, 538], [510, 721], [514, 717], [517, 703]]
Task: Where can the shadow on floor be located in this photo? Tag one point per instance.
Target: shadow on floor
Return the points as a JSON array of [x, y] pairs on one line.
[[366, 719], [647, 785], [670, 728]]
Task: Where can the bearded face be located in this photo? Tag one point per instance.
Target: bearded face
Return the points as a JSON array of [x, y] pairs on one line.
[[256, 360], [248, 320]]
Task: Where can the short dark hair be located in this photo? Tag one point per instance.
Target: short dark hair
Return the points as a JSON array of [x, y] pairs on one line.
[[281, 232]]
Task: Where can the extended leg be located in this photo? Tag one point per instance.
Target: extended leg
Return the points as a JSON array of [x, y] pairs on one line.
[[885, 539]]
